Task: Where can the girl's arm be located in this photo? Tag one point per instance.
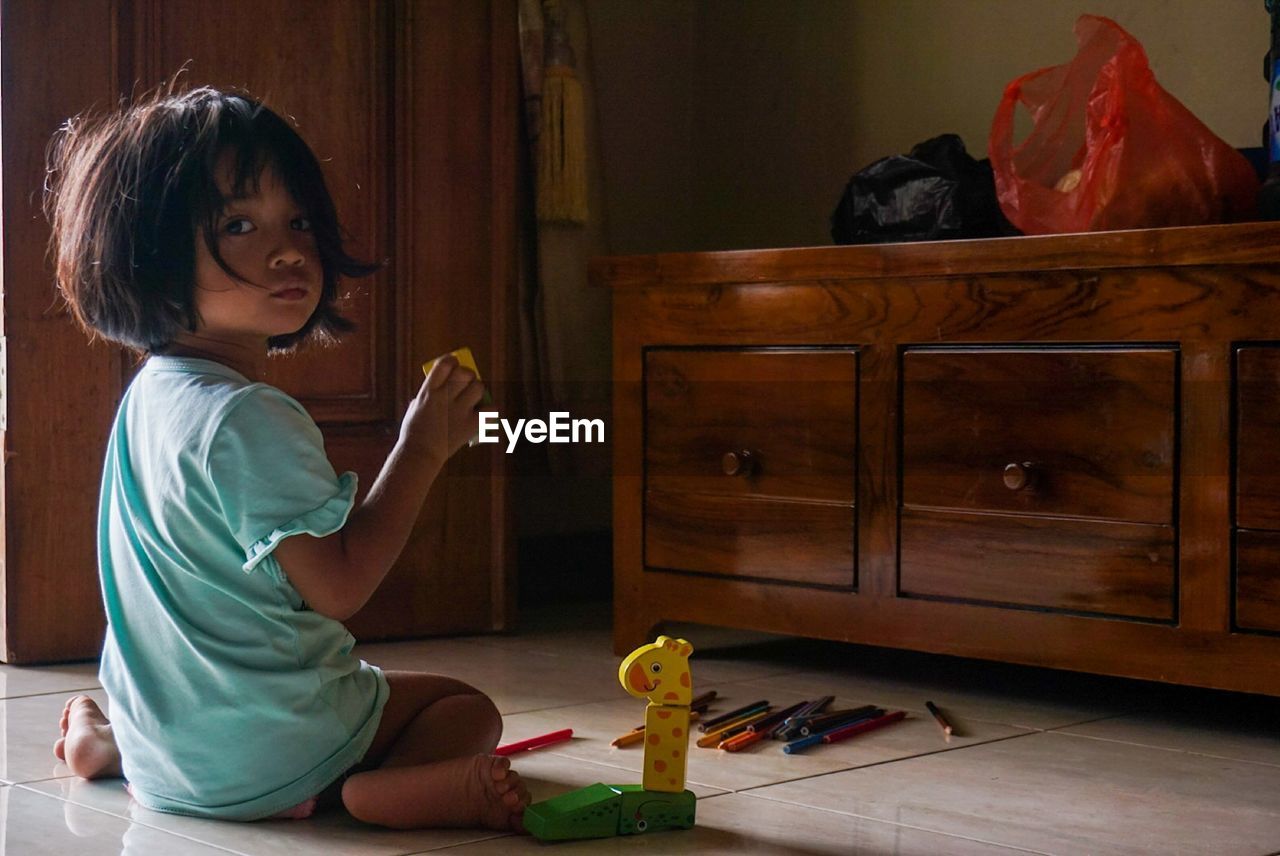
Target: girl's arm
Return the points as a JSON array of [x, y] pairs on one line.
[[337, 574]]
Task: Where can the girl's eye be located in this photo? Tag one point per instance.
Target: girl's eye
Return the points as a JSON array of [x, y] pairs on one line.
[[238, 226]]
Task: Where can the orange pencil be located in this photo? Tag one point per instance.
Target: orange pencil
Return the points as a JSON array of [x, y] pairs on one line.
[[637, 734], [743, 740]]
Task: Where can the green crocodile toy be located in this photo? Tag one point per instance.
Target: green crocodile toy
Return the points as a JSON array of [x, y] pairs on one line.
[[603, 811]]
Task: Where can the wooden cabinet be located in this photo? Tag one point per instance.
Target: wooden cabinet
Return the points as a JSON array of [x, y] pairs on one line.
[[1059, 451]]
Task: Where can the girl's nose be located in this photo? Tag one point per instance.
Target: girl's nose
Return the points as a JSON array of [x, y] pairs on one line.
[[288, 254]]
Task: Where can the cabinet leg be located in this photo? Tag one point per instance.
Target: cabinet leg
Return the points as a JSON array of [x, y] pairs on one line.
[[631, 629]]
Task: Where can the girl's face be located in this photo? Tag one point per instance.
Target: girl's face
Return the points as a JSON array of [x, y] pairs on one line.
[[266, 238]]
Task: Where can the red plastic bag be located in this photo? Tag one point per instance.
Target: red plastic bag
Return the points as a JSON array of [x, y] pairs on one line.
[[1110, 149]]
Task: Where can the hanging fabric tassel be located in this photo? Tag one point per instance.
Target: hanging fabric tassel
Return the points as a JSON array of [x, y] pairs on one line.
[[562, 139]]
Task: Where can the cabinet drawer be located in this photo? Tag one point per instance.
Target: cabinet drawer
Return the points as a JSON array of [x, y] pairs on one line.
[[1084, 433], [750, 462], [797, 542], [1088, 566], [1258, 581], [792, 411], [1257, 431]]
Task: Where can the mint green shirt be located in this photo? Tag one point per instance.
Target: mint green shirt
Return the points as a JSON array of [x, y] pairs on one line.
[[229, 697]]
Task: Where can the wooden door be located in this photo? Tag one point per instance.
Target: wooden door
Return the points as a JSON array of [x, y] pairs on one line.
[[412, 108]]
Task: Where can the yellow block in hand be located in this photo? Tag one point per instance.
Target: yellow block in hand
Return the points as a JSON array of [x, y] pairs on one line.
[[466, 360], [464, 357]]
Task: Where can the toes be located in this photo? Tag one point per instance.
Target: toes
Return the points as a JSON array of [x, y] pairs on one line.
[[60, 749], [501, 766], [517, 797]]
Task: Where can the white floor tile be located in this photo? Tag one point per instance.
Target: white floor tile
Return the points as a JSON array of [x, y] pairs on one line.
[[734, 824], [35, 824], [335, 832], [1063, 794], [1227, 726], [33, 680]]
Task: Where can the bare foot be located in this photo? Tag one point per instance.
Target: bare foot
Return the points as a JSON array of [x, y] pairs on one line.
[[501, 795], [87, 744], [474, 790]]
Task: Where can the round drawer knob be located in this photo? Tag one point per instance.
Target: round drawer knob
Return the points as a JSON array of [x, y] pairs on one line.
[[741, 463], [1020, 476]]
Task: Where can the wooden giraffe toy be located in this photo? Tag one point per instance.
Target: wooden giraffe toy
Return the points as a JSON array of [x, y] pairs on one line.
[[659, 672]]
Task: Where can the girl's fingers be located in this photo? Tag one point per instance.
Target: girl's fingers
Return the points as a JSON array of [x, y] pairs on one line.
[[440, 373], [465, 388], [474, 395]]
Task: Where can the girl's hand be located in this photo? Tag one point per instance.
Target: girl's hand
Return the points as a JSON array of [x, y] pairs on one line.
[[444, 415]]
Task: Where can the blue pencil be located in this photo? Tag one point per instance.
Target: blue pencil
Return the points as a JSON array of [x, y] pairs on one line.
[[813, 739]]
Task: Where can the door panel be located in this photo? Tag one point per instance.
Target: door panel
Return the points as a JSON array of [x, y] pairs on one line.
[[412, 109]]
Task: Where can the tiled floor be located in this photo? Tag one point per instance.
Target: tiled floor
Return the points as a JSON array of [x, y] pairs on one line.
[[1045, 762]]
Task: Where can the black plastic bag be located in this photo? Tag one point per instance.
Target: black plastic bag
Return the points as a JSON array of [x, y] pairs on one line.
[[934, 193]]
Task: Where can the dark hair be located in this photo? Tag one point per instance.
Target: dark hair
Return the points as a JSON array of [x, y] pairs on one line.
[[126, 193]]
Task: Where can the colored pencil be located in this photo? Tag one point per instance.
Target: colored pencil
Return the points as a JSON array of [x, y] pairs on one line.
[[773, 719], [942, 720], [859, 727], [803, 743], [818, 706], [790, 726], [842, 732], [629, 739], [713, 738], [696, 706], [535, 742], [839, 717], [734, 714], [636, 734], [740, 727], [703, 699], [743, 740], [694, 716]]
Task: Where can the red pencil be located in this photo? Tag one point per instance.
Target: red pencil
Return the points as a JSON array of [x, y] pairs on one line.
[[859, 727], [534, 742]]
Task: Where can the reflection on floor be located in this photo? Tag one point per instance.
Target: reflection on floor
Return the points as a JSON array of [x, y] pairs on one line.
[[1042, 762]]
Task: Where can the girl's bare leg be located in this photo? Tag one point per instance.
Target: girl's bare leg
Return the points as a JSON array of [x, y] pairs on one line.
[[87, 744], [435, 768], [477, 790]]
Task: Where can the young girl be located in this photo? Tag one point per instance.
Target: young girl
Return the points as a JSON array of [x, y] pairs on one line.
[[196, 230]]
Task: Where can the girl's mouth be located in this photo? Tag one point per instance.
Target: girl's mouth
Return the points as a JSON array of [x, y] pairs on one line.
[[291, 294]]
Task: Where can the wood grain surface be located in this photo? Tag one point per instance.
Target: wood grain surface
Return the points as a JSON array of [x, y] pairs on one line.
[[1107, 362]]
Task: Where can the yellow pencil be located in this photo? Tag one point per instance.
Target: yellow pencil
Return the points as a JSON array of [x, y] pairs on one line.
[[713, 738]]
